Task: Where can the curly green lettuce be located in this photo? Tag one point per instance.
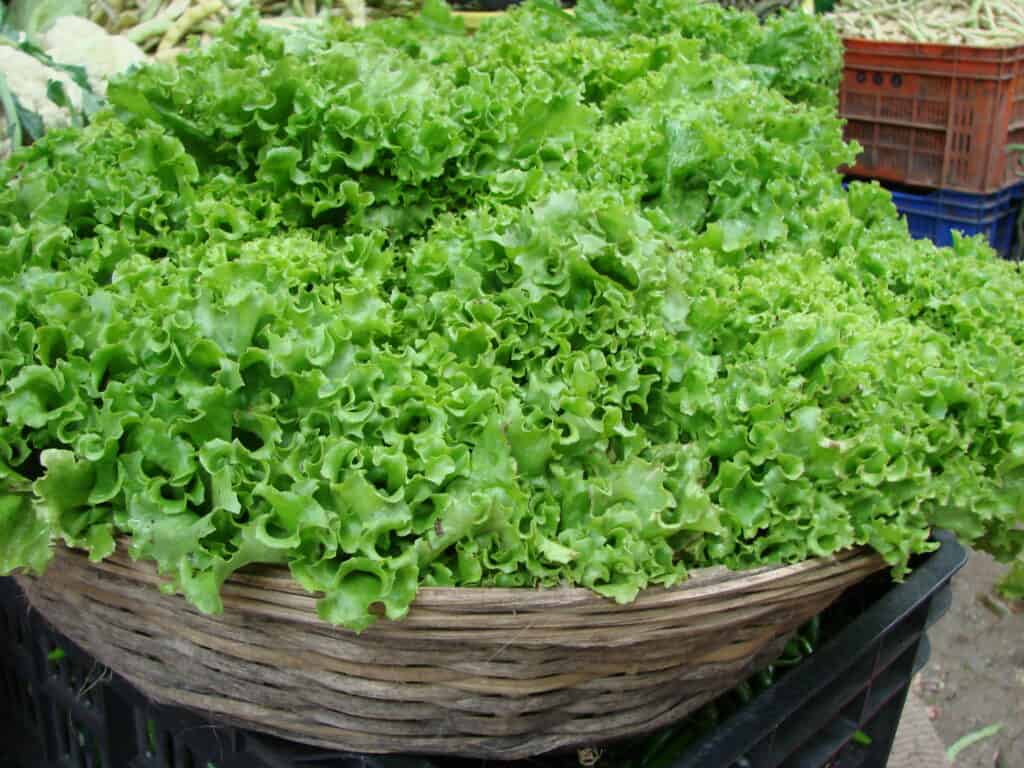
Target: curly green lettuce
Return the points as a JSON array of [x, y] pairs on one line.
[[574, 300]]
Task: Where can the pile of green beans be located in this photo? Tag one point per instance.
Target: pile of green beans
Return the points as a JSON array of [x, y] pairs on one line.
[[761, 7], [161, 27], [983, 23]]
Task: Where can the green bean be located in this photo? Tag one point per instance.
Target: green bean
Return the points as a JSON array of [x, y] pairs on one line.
[[150, 10], [126, 20], [988, 23], [1017, 14], [989, 16], [150, 29], [186, 22], [975, 11]]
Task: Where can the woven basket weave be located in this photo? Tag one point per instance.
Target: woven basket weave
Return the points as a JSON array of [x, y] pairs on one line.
[[474, 672]]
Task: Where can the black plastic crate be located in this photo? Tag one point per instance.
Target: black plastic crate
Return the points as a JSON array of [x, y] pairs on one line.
[[840, 709], [59, 709]]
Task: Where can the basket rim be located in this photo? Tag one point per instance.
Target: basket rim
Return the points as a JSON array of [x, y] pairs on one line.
[[274, 584]]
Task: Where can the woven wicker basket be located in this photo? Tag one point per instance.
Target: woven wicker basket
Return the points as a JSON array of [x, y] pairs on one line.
[[475, 672]]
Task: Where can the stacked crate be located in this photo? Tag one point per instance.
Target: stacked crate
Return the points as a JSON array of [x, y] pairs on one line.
[[945, 125]]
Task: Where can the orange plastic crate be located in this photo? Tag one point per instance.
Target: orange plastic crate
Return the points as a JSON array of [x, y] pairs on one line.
[[930, 115]]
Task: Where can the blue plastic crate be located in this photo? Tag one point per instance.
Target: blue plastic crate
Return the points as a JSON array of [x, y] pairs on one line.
[[935, 215]]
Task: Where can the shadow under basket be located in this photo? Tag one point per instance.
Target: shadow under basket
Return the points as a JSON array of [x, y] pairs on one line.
[[476, 672]]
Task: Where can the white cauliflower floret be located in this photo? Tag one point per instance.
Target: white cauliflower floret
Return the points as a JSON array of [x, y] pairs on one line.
[[77, 41], [28, 78]]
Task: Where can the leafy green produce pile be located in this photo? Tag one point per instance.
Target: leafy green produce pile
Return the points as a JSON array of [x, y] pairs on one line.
[[572, 300]]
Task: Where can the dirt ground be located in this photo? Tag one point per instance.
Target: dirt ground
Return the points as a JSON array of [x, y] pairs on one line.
[[976, 674]]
